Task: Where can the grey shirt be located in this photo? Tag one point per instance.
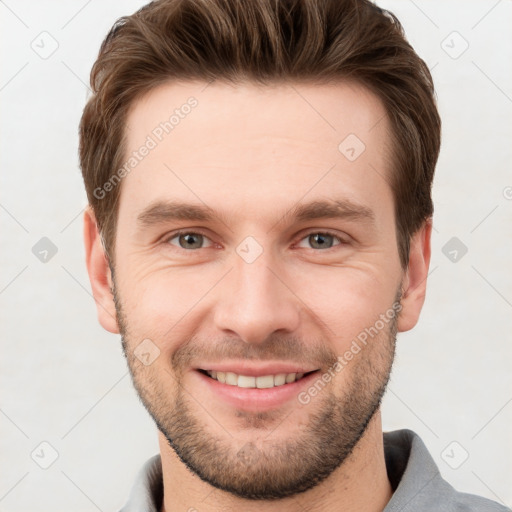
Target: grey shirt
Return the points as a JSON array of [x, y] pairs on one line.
[[416, 482]]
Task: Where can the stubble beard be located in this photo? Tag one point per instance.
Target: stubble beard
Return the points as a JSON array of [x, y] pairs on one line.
[[267, 468]]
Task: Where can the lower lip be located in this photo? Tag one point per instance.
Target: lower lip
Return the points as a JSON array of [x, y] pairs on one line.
[[254, 399]]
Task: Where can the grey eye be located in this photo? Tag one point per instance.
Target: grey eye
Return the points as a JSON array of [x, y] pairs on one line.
[[189, 240], [320, 240]]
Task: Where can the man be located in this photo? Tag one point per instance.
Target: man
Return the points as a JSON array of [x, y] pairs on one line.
[[259, 179]]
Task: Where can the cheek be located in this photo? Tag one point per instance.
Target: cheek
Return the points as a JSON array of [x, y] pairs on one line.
[[346, 300], [164, 305], [168, 305]]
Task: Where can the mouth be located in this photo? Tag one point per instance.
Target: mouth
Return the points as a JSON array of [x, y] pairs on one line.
[[250, 388], [253, 381]]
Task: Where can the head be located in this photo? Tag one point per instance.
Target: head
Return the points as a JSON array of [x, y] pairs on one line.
[[259, 177]]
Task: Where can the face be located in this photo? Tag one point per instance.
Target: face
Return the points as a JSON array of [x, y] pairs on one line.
[[253, 256]]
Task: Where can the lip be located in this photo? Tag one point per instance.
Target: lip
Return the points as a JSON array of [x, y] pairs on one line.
[[250, 399]]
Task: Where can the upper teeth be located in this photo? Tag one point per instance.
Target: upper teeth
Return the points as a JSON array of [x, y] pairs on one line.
[[246, 381]]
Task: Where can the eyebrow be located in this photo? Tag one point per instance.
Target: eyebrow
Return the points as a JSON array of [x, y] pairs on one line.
[[161, 212], [341, 208]]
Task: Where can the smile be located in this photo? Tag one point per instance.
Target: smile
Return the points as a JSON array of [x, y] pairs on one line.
[[248, 381]]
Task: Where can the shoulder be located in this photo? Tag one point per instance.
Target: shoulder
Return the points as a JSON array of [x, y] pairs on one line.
[[417, 483], [147, 490], [463, 502]]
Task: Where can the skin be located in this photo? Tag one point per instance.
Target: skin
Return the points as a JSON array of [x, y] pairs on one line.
[[251, 154]]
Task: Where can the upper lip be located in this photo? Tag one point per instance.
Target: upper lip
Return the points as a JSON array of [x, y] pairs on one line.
[[253, 370]]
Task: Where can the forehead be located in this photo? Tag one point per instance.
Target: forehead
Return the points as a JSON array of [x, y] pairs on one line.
[[302, 110], [251, 145]]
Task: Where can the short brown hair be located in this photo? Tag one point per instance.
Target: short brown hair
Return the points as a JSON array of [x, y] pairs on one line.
[[264, 41]]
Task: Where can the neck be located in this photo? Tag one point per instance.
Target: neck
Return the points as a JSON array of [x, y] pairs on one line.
[[360, 483]]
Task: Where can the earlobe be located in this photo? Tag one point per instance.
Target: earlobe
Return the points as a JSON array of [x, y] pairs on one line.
[[415, 280], [99, 273]]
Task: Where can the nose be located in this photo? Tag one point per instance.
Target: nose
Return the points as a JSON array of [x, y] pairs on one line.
[[256, 301]]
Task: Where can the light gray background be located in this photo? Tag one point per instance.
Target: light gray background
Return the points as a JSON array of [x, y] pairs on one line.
[[64, 380]]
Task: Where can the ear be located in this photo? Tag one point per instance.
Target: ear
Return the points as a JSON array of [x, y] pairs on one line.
[[99, 273], [415, 281]]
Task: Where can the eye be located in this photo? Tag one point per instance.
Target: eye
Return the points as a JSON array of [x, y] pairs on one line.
[[189, 240], [322, 240]]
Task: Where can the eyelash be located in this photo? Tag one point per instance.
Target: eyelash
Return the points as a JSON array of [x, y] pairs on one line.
[[199, 232]]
